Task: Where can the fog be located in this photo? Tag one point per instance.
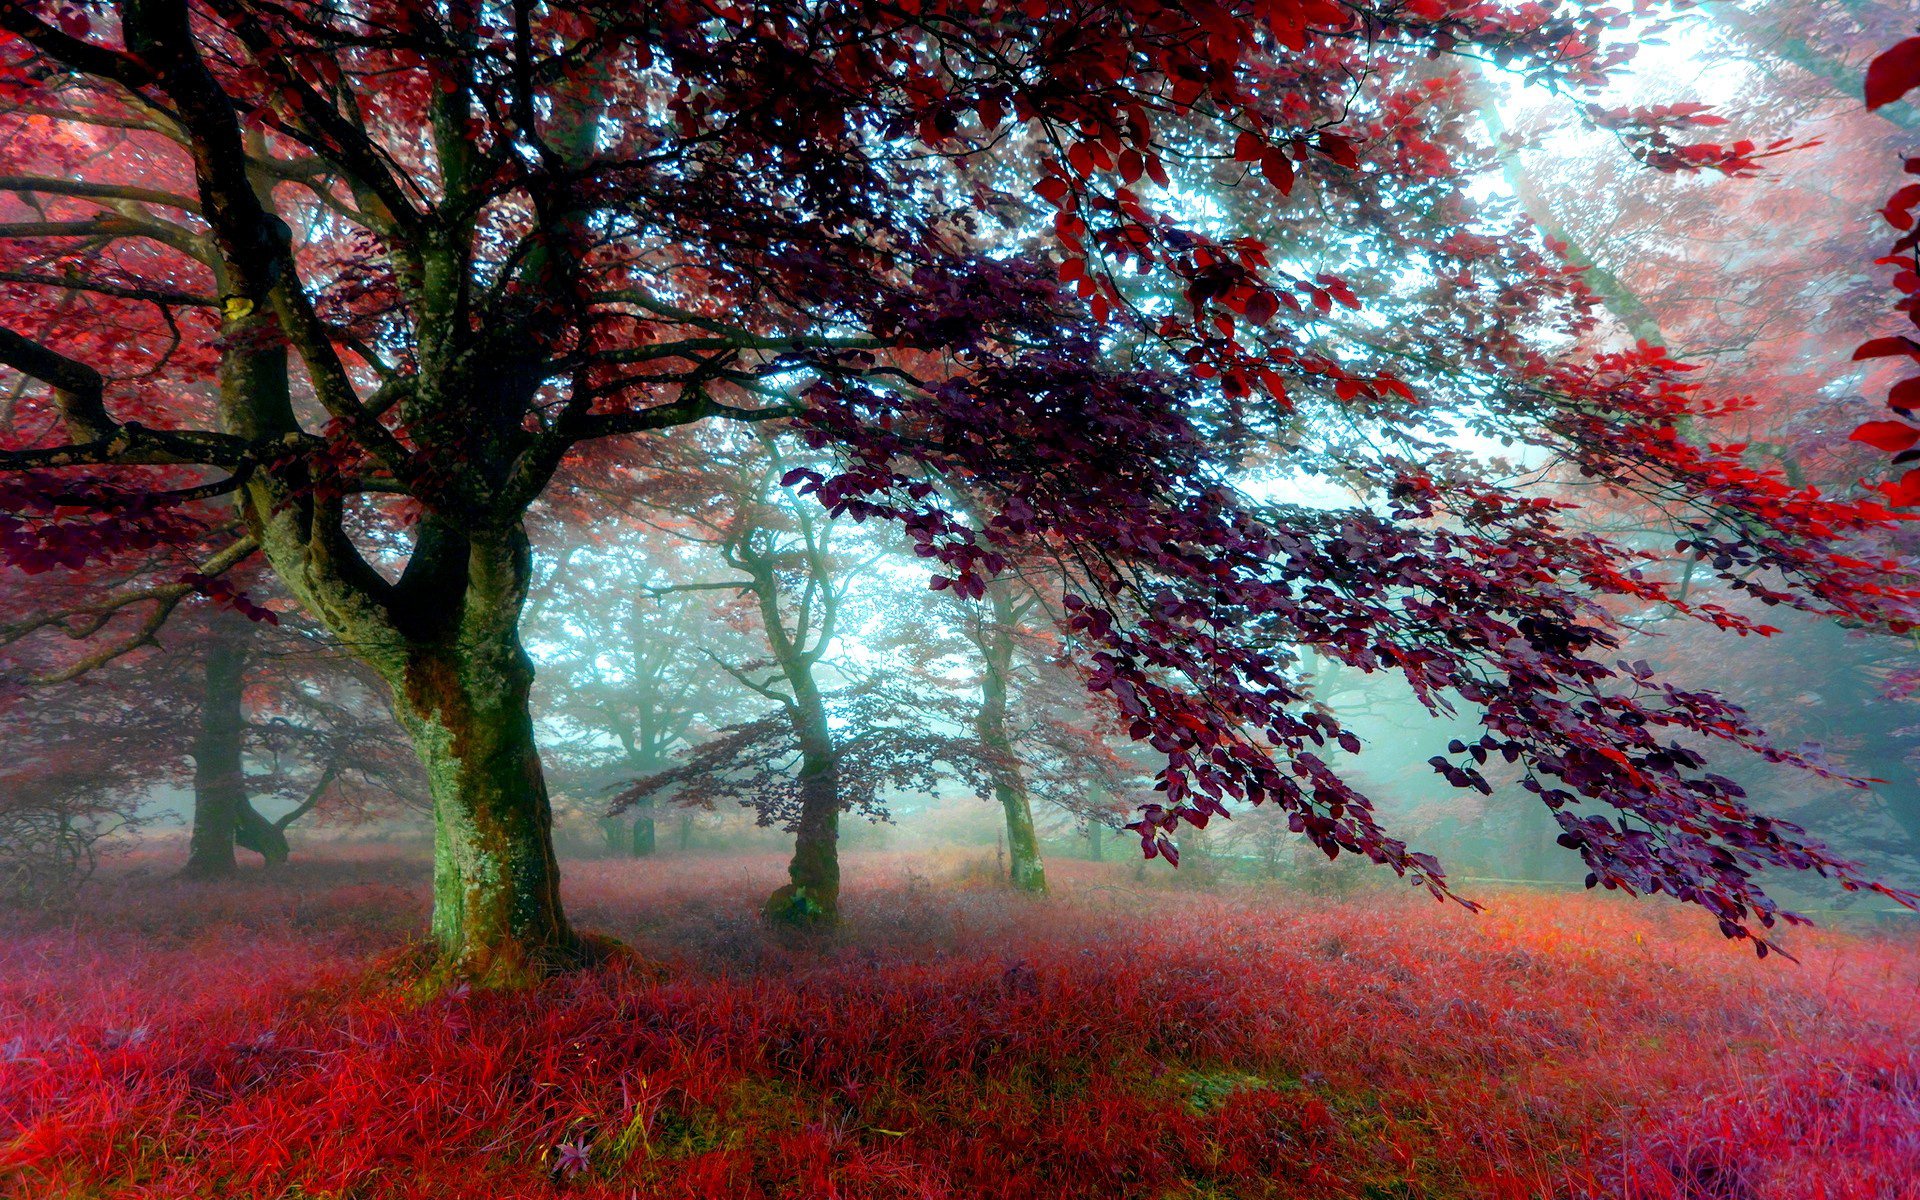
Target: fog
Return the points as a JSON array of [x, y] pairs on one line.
[[960, 599]]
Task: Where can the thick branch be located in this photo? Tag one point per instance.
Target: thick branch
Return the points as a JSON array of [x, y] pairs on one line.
[[97, 191]]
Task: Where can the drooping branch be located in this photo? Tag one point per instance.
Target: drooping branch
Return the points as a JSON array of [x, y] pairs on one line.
[[83, 621], [150, 293]]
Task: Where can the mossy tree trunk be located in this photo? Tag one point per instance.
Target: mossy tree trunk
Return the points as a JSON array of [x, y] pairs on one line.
[[811, 897], [1026, 870], [463, 696], [446, 641]]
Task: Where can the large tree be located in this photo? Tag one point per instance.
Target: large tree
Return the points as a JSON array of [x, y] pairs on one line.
[[1077, 260]]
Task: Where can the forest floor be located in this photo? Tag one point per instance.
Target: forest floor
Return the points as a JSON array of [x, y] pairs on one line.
[[1122, 1039]]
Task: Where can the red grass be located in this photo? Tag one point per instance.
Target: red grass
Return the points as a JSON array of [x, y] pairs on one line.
[[959, 1043]]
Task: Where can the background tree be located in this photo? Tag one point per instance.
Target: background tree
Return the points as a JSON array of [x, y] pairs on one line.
[[628, 680]]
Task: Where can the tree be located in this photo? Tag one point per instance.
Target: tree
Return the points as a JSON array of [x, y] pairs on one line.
[[629, 680], [429, 253], [784, 570], [994, 633], [73, 778]]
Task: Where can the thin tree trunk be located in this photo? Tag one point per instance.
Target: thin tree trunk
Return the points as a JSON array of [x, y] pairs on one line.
[[219, 779], [1026, 871]]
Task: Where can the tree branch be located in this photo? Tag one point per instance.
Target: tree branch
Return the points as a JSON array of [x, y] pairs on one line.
[[98, 191], [120, 291]]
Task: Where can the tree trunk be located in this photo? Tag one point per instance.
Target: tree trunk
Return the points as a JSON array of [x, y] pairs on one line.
[[637, 840], [645, 835], [811, 899], [1026, 871], [265, 838], [219, 779], [1096, 841], [496, 883]]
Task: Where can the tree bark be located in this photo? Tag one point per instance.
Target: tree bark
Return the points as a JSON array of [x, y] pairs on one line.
[[460, 681], [1026, 871], [265, 838], [811, 898], [645, 834], [497, 915], [219, 778]]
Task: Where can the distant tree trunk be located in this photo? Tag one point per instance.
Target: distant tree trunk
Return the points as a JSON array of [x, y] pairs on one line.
[[645, 836], [219, 778], [811, 897], [1620, 300], [266, 838], [1096, 841], [1026, 871], [1781, 38], [683, 833], [613, 832], [636, 840]]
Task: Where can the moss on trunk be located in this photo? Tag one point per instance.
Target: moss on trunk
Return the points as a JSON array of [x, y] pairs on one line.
[[811, 898], [497, 917], [1026, 870]]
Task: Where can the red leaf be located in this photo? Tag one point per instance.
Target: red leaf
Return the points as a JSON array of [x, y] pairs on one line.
[[1891, 436], [1905, 394], [1279, 172], [1894, 73], [1903, 494], [1339, 149], [1888, 347], [1899, 209]]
